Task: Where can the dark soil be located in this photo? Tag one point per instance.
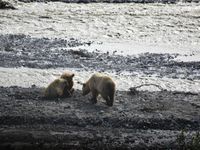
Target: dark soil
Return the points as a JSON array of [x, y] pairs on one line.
[[145, 120]]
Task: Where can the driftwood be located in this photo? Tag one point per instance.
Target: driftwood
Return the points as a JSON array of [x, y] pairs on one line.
[[133, 90]]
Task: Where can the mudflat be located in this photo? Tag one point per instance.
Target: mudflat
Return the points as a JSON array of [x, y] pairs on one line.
[[141, 120]]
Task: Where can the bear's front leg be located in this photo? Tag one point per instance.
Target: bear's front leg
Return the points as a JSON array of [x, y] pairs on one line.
[[68, 93], [72, 91], [94, 96]]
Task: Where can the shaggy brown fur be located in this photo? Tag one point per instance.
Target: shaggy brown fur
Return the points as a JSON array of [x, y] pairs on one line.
[[56, 88], [100, 84], [68, 90]]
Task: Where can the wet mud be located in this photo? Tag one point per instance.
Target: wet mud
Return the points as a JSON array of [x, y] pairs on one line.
[[25, 51], [143, 120]]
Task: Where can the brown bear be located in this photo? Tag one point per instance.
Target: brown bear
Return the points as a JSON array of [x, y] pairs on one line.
[[56, 88], [100, 84], [68, 90]]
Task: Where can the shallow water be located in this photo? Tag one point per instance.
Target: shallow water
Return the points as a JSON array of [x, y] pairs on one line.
[[185, 53], [26, 77], [150, 27], [150, 23]]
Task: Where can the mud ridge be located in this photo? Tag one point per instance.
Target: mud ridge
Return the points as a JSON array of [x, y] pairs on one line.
[[85, 138]]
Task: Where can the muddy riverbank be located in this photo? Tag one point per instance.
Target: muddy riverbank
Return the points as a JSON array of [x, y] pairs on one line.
[[145, 120]]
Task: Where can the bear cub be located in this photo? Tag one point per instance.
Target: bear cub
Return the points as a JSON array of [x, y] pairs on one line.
[[61, 87], [56, 88], [99, 84]]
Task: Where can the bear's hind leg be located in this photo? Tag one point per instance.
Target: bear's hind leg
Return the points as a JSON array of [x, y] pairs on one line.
[[109, 102], [109, 99], [60, 92]]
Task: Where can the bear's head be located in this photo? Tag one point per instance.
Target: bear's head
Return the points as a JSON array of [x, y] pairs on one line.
[[85, 89], [69, 77]]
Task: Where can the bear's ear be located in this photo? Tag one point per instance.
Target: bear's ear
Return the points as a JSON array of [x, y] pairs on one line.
[[72, 75]]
